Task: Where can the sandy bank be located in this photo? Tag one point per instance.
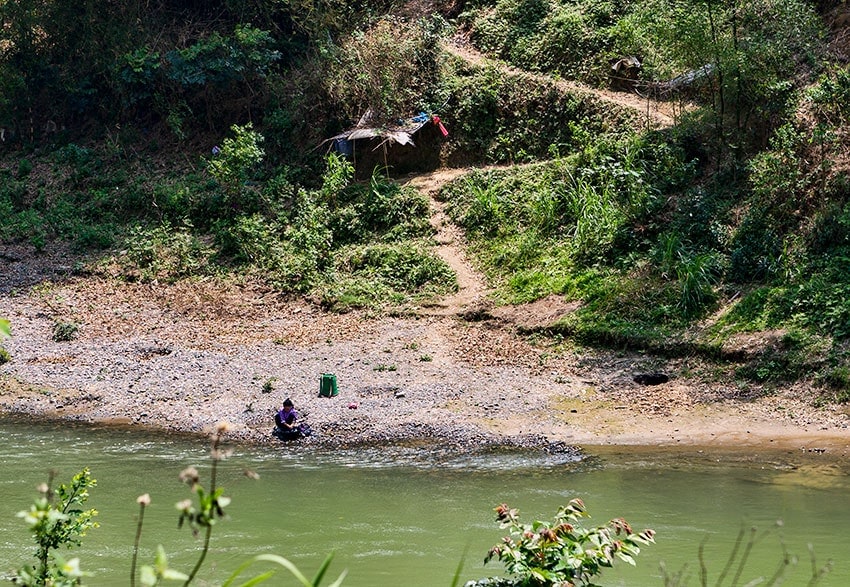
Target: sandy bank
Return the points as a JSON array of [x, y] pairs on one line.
[[185, 356]]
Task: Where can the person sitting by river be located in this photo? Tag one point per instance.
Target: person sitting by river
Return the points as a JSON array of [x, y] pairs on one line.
[[286, 422]]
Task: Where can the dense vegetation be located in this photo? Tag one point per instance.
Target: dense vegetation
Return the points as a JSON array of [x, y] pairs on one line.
[[176, 140], [732, 221]]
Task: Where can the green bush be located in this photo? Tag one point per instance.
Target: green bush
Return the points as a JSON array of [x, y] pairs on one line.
[[499, 116], [373, 274], [755, 248], [562, 552], [837, 382], [64, 331], [379, 210], [831, 96], [15, 194], [164, 252], [798, 354], [24, 225], [350, 244], [205, 76], [536, 228], [56, 519], [570, 39], [816, 302], [234, 163], [5, 330], [389, 70], [634, 311], [253, 240], [830, 233]]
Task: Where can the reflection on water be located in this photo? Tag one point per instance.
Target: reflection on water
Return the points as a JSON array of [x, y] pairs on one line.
[[405, 515], [830, 476]]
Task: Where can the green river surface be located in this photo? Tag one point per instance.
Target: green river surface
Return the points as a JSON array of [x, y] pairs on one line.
[[406, 515]]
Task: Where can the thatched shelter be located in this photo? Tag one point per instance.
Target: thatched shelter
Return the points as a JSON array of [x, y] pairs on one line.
[[401, 147]]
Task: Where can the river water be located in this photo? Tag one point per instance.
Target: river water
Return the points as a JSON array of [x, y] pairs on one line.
[[406, 515]]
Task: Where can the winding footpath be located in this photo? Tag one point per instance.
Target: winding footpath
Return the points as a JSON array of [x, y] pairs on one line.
[[649, 112]]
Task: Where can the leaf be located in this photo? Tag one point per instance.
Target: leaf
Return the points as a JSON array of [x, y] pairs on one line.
[[5, 327], [161, 560], [323, 569], [338, 582], [172, 575], [286, 564], [456, 578], [237, 572], [147, 576], [258, 579], [625, 557]]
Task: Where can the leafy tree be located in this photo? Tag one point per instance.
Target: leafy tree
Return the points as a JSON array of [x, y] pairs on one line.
[[748, 48], [234, 162]]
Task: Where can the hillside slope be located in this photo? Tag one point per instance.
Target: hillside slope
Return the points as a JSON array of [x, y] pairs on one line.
[[568, 229]]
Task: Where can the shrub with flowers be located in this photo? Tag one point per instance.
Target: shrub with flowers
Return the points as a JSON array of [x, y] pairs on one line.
[[562, 553]]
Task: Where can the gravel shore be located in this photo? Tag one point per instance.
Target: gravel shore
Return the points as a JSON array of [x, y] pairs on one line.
[[183, 357], [145, 356]]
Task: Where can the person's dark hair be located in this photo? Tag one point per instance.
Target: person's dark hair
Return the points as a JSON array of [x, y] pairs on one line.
[[287, 403]]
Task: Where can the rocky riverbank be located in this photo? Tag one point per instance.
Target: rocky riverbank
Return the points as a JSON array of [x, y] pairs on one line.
[[185, 356]]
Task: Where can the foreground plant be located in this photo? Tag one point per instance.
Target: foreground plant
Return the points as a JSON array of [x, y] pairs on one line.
[[202, 515], [738, 563], [289, 566], [56, 519], [562, 553], [5, 330]]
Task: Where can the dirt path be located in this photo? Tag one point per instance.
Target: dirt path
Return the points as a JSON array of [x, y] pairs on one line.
[[652, 113], [472, 287]]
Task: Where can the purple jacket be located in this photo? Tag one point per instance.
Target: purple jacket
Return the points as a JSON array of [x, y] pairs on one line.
[[288, 416]]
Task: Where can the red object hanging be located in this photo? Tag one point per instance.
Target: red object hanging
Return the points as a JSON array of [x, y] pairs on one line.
[[436, 120]]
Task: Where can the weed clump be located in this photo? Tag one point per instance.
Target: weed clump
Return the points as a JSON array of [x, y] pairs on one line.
[[65, 331]]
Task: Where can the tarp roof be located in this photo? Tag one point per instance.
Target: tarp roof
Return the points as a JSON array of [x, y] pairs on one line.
[[401, 133]]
